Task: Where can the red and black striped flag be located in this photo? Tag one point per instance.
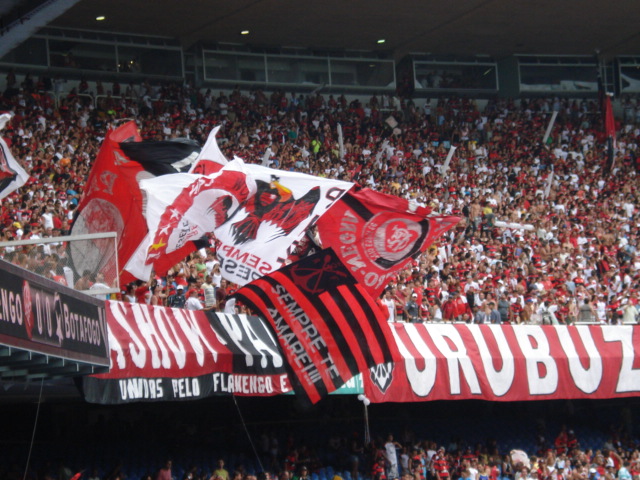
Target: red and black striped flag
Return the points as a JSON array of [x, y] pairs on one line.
[[328, 326]]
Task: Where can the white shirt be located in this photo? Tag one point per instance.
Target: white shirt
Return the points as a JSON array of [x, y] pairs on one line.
[[391, 307], [390, 453], [193, 303]]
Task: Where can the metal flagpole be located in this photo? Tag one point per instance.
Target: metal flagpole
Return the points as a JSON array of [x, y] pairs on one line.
[[547, 132]]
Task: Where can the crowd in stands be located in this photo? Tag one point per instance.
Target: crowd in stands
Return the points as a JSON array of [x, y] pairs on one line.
[[564, 459], [549, 231], [388, 458]]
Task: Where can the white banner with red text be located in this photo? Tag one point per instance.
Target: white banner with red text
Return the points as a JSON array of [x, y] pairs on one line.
[[508, 363]]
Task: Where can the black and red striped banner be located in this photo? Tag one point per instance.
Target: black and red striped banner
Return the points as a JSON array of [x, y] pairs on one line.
[[328, 326]]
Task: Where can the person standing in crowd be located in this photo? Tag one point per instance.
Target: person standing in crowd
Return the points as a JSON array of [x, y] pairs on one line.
[[503, 309], [221, 472], [389, 305], [586, 312], [221, 294], [193, 302], [412, 310], [178, 299], [165, 472], [209, 293], [391, 448]]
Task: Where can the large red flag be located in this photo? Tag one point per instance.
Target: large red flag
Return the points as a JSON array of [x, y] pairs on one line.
[[375, 235], [609, 121], [112, 202]]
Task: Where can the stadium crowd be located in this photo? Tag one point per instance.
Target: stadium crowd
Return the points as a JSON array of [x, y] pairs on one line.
[[388, 458], [549, 231], [563, 459]]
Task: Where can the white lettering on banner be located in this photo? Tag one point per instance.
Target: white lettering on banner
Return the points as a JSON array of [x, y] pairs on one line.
[[76, 326], [185, 387], [114, 346], [629, 379], [421, 381], [108, 179], [350, 252], [176, 347], [456, 359], [303, 361], [239, 329], [234, 330], [190, 328], [12, 310], [499, 381], [246, 384], [313, 340], [539, 383], [284, 386], [137, 349], [154, 341], [265, 351], [586, 379], [524, 362], [140, 388], [160, 328]]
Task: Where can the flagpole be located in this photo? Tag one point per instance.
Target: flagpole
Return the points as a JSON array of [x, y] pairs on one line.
[[547, 132], [367, 433], [547, 191], [341, 141], [445, 167]]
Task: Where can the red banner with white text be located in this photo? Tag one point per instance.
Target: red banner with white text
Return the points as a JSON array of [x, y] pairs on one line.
[[162, 354], [508, 363]]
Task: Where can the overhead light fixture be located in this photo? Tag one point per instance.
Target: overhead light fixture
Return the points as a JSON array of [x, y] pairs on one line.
[[244, 32], [100, 18], [382, 40]]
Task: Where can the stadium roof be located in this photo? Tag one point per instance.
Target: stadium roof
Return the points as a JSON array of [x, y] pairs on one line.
[[493, 27]]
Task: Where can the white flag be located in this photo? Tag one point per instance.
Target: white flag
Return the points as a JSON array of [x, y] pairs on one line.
[[12, 175], [211, 158], [264, 231], [445, 167], [182, 207]]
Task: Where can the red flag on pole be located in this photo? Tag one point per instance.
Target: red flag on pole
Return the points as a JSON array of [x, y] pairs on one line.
[[375, 235]]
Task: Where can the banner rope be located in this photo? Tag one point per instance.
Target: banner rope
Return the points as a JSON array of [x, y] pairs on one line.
[[33, 434], [244, 425]]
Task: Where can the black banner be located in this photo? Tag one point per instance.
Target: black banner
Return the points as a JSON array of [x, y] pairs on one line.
[[145, 389], [171, 354], [46, 317]]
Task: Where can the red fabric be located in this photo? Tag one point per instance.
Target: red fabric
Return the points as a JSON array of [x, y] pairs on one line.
[[609, 121], [112, 190], [509, 363], [376, 235]]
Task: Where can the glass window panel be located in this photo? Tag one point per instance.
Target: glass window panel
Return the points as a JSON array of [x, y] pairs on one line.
[[86, 56], [297, 71], [362, 73], [455, 76], [32, 51], [567, 78], [150, 61], [630, 78], [230, 66]]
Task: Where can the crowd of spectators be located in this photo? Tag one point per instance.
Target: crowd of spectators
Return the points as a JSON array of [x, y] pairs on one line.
[[549, 231], [388, 458], [562, 459]]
